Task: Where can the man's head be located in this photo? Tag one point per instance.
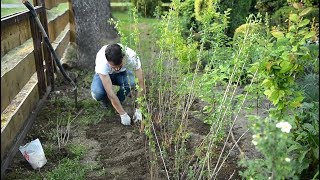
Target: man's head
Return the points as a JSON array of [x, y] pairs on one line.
[[114, 56]]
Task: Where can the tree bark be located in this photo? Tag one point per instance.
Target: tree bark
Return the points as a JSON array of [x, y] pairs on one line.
[[92, 29]]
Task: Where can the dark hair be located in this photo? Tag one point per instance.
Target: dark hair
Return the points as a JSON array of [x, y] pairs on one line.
[[114, 54]]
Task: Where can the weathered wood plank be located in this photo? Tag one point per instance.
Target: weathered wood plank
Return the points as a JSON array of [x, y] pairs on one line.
[[57, 25], [15, 30], [15, 114], [17, 67], [16, 17], [14, 36], [62, 41]]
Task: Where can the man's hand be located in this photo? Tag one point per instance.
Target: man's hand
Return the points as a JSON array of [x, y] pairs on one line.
[[125, 119], [137, 115]]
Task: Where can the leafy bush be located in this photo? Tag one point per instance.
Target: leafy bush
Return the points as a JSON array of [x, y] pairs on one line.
[[247, 28], [306, 139], [280, 17], [269, 5], [305, 2], [310, 87], [287, 138], [240, 10]]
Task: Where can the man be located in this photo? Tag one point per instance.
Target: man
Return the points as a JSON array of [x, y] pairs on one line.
[[114, 65]]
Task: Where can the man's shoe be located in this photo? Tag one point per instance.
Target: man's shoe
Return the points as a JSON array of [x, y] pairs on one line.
[[105, 105]]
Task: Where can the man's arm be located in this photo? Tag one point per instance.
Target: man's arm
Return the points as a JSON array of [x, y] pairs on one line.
[[139, 75], [107, 84]]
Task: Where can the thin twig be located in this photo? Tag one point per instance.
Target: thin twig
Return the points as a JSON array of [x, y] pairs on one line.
[[165, 167], [227, 156], [69, 125], [235, 142], [232, 175]]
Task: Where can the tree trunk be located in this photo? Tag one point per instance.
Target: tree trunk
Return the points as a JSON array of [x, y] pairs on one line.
[[92, 29]]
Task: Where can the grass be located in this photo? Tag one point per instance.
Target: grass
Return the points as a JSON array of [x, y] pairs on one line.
[[78, 150], [12, 1], [57, 11], [69, 169], [147, 26], [8, 11], [52, 13]]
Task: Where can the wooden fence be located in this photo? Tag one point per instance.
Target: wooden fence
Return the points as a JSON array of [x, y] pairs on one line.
[[27, 70]]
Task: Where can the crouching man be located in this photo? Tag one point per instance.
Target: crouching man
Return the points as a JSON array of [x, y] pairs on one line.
[[114, 66]]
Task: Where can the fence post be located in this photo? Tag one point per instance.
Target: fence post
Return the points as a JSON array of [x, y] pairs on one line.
[[71, 21], [50, 65], [36, 36]]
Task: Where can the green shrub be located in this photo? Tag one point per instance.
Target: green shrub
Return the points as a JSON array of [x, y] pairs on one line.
[[240, 11], [305, 2], [281, 15], [314, 13], [310, 87], [247, 28], [269, 5], [306, 136]]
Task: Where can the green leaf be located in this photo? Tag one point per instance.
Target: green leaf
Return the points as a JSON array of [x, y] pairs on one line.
[[267, 93], [302, 31], [297, 101], [294, 49], [294, 18], [295, 104], [275, 96], [310, 34], [309, 128], [267, 83], [292, 28], [305, 11], [304, 22], [285, 66], [301, 135], [316, 153], [294, 147], [302, 156], [305, 49], [276, 67], [277, 34]]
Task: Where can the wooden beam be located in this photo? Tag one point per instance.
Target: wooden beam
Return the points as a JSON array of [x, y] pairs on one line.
[[62, 41], [49, 63], [36, 36], [57, 25], [14, 36], [72, 23], [17, 17], [17, 67], [15, 114]]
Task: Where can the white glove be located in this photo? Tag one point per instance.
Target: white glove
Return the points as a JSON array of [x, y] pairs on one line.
[[125, 119], [137, 115]]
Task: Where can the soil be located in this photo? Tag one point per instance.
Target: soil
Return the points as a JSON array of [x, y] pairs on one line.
[[122, 151]]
